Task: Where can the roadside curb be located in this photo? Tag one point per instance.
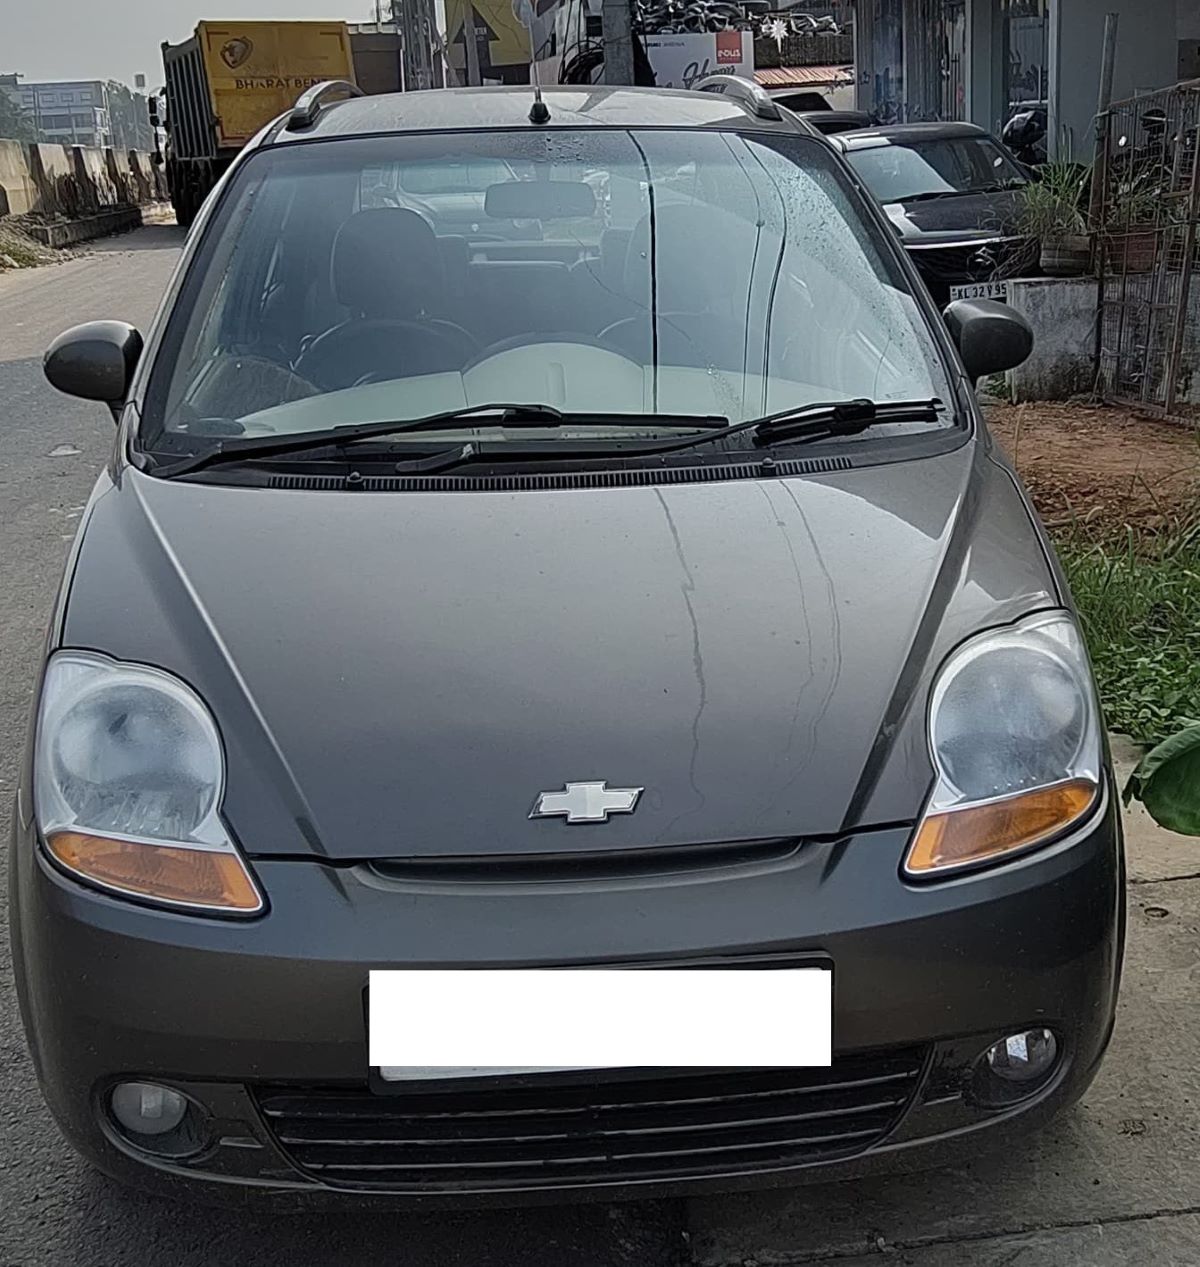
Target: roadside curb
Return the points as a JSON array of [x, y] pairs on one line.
[[69, 232]]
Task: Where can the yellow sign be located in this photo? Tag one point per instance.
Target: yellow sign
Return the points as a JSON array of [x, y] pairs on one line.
[[256, 70], [502, 37]]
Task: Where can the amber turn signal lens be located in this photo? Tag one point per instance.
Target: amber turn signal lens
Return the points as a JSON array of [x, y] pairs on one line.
[[979, 833], [214, 880]]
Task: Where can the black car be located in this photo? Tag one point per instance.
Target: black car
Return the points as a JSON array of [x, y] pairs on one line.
[[831, 122], [951, 191], [581, 715], [814, 108]]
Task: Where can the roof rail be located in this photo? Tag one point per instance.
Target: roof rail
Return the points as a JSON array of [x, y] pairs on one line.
[[308, 106], [753, 96]]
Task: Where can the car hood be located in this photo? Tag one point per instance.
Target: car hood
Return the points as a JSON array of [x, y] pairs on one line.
[[956, 218], [400, 675]]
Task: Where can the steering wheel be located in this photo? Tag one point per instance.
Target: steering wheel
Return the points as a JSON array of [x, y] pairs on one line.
[[367, 344]]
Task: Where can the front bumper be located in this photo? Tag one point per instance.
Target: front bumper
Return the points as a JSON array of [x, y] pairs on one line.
[[237, 1013]]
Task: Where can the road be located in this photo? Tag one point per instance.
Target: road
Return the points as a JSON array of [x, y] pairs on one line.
[[1114, 1181]]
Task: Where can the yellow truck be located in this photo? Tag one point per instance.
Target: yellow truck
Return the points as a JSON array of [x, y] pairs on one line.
[[232, 78]]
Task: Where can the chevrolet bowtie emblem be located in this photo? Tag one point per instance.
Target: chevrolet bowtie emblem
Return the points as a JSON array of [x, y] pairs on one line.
[[586, 802]]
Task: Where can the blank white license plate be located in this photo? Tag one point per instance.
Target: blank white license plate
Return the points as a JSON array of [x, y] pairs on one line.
[[442, 1023], [981, 290]]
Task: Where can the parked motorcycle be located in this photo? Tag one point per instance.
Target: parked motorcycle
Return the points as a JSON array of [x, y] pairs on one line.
[[1025, 135]]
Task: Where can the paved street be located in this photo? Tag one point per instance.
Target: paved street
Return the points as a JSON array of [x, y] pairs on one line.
[[1115, 1181]]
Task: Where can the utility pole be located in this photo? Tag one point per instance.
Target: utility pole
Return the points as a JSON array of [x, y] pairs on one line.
[[618, 41], [471, 45], [1103, 101]]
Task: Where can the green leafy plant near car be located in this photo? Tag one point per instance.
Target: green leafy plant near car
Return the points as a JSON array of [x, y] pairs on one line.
[[1139, 601], [1167, 781], [1052, 211]]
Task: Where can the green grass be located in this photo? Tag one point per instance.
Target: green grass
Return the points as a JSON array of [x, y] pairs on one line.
[[1140, 606]]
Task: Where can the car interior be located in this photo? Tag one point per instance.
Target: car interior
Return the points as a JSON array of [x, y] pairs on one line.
[[351, 278]]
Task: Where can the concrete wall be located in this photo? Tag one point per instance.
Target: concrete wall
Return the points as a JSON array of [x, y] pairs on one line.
[[74, 181], [1148, 50], [91, 173], [1147, 58], [1062, 312], [18, 193], [1189, 39]]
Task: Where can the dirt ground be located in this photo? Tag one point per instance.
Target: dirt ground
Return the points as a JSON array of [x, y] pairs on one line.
[[1101, 466], [18, 250]]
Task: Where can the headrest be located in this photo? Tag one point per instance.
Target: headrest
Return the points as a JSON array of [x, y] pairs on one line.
[[386, 263], [689, 257]]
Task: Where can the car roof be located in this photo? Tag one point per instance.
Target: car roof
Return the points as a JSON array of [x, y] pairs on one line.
[[900, 133], [507, 106]]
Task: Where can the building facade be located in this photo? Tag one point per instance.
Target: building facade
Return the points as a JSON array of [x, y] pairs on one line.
[[986, 60], [73, 112]]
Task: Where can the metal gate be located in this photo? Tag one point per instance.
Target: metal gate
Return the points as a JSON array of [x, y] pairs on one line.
[[1147, 224]]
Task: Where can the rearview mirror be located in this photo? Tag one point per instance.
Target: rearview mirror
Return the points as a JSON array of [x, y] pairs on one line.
[[990, 336], [95, 361]]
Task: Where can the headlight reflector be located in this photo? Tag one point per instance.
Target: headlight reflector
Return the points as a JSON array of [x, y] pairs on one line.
[[128, 778], [1015, 739]]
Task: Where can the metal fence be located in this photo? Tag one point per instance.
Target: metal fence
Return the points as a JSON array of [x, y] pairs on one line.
[[1147, 224]]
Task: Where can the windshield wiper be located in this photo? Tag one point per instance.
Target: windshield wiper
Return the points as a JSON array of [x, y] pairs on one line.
[[817, 421], [927, 196], [788, 426], [235, 450]]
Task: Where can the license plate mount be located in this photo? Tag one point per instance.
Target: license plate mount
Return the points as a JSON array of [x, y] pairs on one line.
[[592, 1020]]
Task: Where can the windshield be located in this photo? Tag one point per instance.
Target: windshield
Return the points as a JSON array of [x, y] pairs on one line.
[[605, 272], [902, 170]]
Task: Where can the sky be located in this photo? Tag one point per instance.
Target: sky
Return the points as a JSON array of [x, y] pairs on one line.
[[117, 39]]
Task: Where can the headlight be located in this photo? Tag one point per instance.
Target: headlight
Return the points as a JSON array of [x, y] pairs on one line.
[[128, 778], [1014, 733]]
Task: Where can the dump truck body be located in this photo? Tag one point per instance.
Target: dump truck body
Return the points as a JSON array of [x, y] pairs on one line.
[[228, 81]]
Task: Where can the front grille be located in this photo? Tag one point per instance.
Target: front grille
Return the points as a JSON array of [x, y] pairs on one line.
[[678, 1125], [587, 865], [963, 263], [950, 263]]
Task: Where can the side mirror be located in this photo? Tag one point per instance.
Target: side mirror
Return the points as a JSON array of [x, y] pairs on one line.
[[95, 361], [152, 110], [990, 336]]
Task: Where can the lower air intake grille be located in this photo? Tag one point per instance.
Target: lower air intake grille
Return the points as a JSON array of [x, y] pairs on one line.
[[678, 1125]]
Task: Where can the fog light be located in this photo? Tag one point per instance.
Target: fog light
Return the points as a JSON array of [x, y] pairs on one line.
[[145, 1108], [1025, 1057], [1015, 1068]]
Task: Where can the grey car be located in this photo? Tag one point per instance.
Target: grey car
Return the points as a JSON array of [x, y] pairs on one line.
[[645, 595]]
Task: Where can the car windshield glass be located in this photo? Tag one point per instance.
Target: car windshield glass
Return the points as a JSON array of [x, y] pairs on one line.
[[903, 170], [602, 272]]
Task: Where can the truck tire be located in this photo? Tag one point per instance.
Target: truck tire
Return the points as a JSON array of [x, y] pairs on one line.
[[178, 184], [183, 200]]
